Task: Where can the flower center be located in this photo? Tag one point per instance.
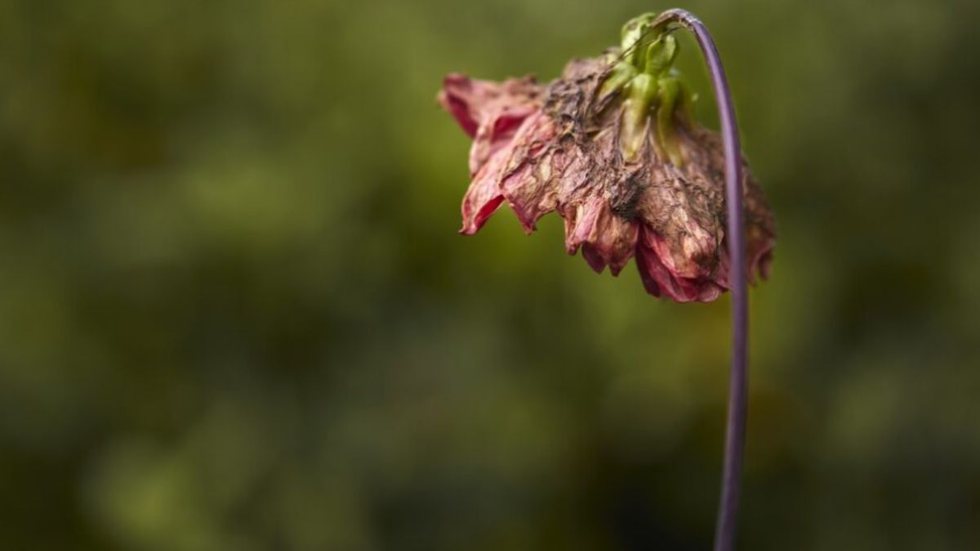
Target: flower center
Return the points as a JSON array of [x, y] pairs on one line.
[[650, 87]]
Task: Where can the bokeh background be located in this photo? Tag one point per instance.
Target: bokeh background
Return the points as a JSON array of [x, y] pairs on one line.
[[235, 313]]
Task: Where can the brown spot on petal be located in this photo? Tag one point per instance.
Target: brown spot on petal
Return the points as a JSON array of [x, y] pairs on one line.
[[569, 99], [685, 215], [706, 165]]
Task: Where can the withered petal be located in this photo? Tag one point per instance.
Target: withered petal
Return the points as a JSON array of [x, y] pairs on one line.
[[605, 238], [484, 195], [759, 245], [659, 280], [557, 147], [581, 224], [706, 163], [475, 102], [528, 182], [593, 258], [686, 216], [498, 132]]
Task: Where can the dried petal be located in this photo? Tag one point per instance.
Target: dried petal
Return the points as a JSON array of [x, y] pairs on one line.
[[528, 182], [606, 239], [685, 215], [475, 102], [560, 148], [706, 163], [492, 113], [659, 280], [499, 132], [484, 195]]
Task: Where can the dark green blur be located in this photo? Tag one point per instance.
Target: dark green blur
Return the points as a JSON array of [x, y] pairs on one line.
[[235, 313]]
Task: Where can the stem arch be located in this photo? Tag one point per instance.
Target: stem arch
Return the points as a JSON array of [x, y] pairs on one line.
[[725, 529]]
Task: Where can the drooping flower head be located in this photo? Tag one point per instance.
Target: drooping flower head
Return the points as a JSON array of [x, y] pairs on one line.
[[613, 148]]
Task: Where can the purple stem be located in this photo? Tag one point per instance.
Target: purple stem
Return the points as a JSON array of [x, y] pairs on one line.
[[738, 382]]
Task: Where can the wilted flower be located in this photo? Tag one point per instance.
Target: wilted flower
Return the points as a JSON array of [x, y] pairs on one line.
[[612, 147]]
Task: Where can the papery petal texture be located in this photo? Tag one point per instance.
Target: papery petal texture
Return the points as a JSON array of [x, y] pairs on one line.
[[558, 148]]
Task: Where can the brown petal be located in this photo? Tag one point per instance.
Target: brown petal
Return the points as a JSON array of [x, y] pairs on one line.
[[591, 167], [685, 216], [702, 150]]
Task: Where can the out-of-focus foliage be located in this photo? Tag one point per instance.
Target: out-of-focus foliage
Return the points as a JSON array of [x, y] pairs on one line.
[[234, 312]]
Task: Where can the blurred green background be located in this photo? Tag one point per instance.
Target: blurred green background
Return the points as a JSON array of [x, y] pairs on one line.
[[235, 313]]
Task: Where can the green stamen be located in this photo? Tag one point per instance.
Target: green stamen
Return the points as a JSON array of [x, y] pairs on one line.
[[653, 89]]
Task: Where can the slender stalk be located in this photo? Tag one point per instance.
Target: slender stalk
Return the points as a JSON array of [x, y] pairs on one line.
[[738, 381]]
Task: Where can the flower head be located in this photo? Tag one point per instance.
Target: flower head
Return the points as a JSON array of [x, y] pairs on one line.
[[612, 147]]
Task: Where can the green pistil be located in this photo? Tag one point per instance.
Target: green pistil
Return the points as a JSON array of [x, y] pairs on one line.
[[669, 93], [652, 88], [637, 32], [636, 110], [619, 77], [659, 56]]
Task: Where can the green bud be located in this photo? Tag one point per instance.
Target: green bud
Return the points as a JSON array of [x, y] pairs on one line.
[[670, 94], [636, 32], [619, 76], [660, 55], [636, 107]]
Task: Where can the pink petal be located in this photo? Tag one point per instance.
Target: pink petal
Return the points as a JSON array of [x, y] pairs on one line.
[[474, 102], [606, 238], [486, 192], [593, 258], [483, 196], [529, 182], [580, 224], [659, 280], [499, 131]]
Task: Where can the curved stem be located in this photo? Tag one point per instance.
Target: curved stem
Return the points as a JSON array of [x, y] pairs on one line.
[[738, 382]]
